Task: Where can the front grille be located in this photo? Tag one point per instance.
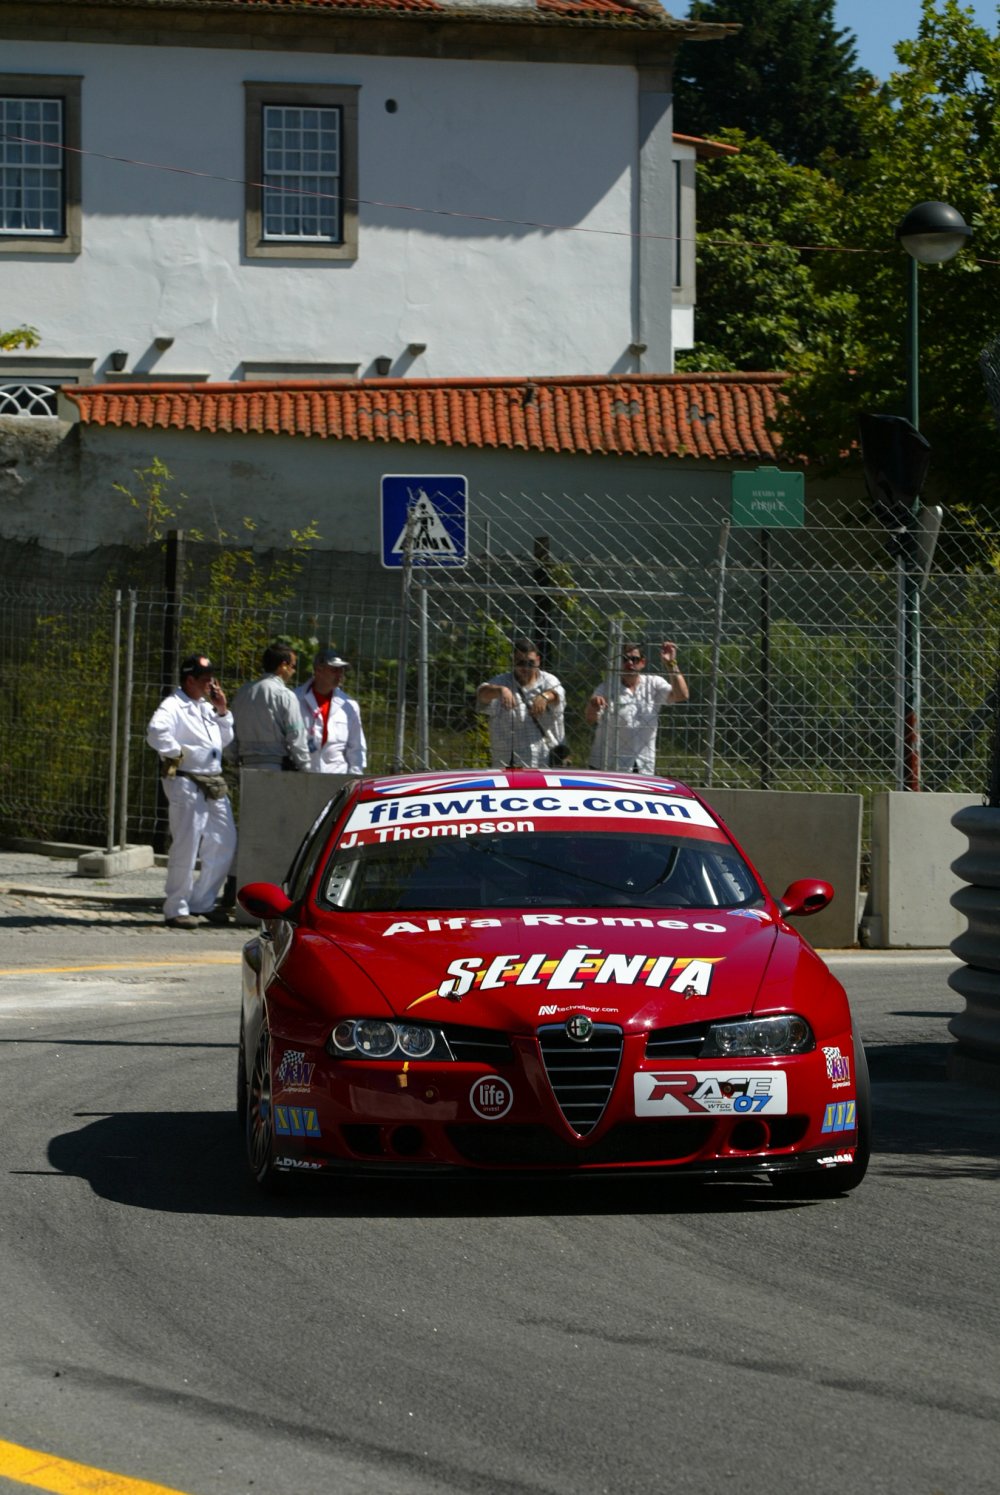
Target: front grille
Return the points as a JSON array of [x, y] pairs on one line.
[[478, 1045], [582, 1075], [520, 1146]]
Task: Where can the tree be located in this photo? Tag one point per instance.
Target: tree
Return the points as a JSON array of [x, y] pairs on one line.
[[784, 77], [760, 303], [932, 132], [834, 315]]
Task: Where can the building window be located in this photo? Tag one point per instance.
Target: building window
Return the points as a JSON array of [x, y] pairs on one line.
[[31, 166], [39, 164], [301, 142], [28, 399], [301, 174]]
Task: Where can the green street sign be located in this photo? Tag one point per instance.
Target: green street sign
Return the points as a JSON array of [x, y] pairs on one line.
[[768, 499]]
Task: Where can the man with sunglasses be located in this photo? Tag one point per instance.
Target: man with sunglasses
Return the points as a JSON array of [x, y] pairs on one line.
[[525, 708], [626, 716]]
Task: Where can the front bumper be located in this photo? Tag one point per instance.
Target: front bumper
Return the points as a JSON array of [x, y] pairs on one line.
[[378, 1118]]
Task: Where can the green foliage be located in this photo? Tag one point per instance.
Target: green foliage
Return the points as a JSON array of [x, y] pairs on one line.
[[762, 304], [234, 612], [68, 778], [932, 132], [785, 77], [19, 337], [836, 318], [152, 500]]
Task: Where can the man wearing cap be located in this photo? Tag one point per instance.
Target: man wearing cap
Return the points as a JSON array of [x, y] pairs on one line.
[[332, 719], [189, 730], [268, 722]]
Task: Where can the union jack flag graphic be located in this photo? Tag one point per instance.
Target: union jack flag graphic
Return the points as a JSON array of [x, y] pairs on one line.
[[433, 783]]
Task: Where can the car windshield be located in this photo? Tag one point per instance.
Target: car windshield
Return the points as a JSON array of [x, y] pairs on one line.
[[540, 869]]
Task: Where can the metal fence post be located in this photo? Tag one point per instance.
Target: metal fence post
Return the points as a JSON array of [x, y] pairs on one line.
[[609, 753], [765, 659], [423, 704], [899, 693], [127, 719], [113, 765], [713, 687], [399, 754]]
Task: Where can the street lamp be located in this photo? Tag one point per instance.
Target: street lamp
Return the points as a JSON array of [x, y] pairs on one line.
[[931, 233]]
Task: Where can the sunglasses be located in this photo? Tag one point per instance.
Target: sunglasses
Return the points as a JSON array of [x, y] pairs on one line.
[[632, 658]]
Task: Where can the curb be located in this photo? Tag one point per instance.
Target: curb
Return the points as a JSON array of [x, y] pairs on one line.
[[90, 895]]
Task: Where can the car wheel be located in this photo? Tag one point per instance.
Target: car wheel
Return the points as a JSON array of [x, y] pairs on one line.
[[241, 1079], [260, 1118], [835, 1181]]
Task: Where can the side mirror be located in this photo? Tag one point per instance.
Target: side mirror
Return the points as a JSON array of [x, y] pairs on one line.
[[805, 896], [265, 900]]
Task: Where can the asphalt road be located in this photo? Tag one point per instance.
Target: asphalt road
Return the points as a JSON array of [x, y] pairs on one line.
[[162, 1321]]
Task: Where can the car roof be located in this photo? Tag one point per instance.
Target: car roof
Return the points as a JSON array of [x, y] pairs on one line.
[[521, 778]]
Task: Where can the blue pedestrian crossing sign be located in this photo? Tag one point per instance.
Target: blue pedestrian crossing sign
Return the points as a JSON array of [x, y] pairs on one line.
[[429, 517]]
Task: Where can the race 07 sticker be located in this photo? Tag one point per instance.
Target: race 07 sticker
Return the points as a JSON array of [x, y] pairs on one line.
[[711, 1092]]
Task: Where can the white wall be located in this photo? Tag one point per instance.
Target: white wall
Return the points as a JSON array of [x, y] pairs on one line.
[[546, 144]]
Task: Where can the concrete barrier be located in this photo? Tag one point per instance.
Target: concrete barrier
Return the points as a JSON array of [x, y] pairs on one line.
[[276, 810], [789, 835], [913, 846]]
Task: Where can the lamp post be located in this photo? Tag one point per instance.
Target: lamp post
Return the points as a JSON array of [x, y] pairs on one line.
[[931, 233]]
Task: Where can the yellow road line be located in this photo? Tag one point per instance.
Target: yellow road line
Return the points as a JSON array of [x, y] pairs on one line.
[[208, 959], [28, 1466]]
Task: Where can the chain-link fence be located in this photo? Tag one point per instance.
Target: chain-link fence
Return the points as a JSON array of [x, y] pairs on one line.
[[791, 642]]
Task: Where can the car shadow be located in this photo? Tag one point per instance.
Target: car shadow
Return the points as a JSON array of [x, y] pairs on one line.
[[92, 916], [925, 1125], [193, 1163]]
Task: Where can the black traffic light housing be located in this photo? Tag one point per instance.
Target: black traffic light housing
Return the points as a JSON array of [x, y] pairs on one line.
[[896, 458]]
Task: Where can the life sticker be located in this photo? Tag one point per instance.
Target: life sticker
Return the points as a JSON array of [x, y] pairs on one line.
[[491, 1097]]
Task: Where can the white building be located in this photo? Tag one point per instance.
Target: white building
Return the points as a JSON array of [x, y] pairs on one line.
[[242, 190]]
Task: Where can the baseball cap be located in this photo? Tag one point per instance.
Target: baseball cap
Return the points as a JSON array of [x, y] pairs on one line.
[[332, 658], [197, 664]]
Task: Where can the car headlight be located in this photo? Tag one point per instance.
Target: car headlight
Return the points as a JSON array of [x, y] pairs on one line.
[[789, 1034], [374, 1038]]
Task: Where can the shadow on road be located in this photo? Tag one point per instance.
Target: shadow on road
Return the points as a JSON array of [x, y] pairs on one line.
[[925, 1125], [193, 1163], [89, 916]]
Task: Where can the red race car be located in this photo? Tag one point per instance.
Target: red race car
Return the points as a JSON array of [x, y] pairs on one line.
[[556, 972]]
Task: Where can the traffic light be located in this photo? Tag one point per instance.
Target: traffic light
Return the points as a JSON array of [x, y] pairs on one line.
[[896, 458]]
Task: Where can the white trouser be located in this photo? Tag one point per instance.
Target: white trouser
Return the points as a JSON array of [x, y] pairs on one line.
[[198, 826]]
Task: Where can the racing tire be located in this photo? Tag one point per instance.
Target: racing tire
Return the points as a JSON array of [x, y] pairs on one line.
[[259, 1129], [831, 1183]]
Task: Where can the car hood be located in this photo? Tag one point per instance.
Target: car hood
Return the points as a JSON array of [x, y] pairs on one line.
[[513, 971]]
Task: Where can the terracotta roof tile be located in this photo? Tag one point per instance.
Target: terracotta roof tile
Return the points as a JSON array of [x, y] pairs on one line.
[[643, 14], [718, 416]]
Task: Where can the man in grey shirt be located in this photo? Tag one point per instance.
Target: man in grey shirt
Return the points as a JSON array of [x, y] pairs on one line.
[[268, 722]]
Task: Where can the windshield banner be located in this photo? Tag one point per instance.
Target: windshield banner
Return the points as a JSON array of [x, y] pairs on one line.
[[508, 811]]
